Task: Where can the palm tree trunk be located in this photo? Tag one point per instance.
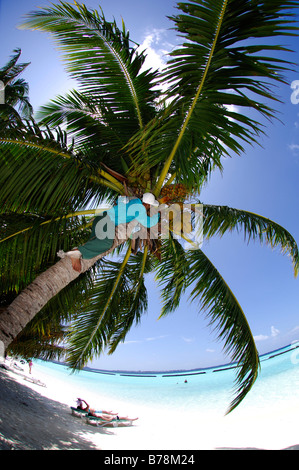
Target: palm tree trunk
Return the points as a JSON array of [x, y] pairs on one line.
[[35, 296]]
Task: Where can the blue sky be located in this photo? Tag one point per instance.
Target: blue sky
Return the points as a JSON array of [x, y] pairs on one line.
[[263, 180]]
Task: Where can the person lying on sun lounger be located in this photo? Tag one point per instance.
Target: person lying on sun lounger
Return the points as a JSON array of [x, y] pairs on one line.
[[104, 417], [81, 406], [99, 414], [86, 407]]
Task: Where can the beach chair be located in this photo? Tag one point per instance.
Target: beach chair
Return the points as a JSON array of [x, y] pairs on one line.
[[78, 413], [35, 381], [115, 422]]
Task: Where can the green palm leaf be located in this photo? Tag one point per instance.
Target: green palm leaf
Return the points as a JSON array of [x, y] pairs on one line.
[[90, 332], [194, 270], [227, 316], [98, 132], [17, 103], [117, 299], [29, 244], [137, 299], [99, 56], [39, 178], [220, 219], [41, 168], [172, 274], [213, 69]]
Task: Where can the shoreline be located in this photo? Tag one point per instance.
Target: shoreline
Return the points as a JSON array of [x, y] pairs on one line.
[[33, 417], [182, 372]]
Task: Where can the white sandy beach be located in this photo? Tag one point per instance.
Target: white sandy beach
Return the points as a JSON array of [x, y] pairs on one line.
[[33, 417]]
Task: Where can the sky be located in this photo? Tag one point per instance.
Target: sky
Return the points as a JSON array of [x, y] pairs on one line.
[[264, 180]]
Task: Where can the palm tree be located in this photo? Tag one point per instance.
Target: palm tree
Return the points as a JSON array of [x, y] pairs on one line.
[[125, 137], [17, 104], [41, 336]]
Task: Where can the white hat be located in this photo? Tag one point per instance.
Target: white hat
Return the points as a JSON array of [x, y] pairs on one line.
[[149, 198]]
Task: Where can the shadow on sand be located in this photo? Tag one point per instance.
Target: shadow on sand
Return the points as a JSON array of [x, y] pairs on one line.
[[29, 421]]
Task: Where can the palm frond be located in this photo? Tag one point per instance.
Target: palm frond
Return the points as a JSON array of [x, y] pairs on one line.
[[215, 68], [227, 316], [11, 70], [172, 274], [117, 299], [41, 172], [99, 56], [149, 149], [17, 104], [38, 178], [221, 219], [90, 332], [29, 244], [36, 345], [194, 270], [99, 133], [137, 267]]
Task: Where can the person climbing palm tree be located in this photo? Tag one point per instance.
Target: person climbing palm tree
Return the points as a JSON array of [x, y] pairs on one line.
[[122, 212]]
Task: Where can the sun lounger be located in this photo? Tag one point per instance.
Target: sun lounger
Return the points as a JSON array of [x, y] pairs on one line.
[[115, 422], [35, 381]]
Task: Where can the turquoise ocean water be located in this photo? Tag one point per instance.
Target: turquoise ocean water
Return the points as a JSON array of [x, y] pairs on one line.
[[210, 388]]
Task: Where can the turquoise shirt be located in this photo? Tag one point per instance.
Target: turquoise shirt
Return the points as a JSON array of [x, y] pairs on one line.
[[102, 240], [124, 213]]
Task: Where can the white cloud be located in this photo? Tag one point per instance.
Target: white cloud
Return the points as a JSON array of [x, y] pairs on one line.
[[132, 342], [296, 328], [150, 338], [154, 338], [188, 340], [210, 350], [156, 55], [294, 149], [260, 337], [274, 331]]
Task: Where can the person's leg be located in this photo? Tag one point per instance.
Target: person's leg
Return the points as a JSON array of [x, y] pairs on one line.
[[75, 256]]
